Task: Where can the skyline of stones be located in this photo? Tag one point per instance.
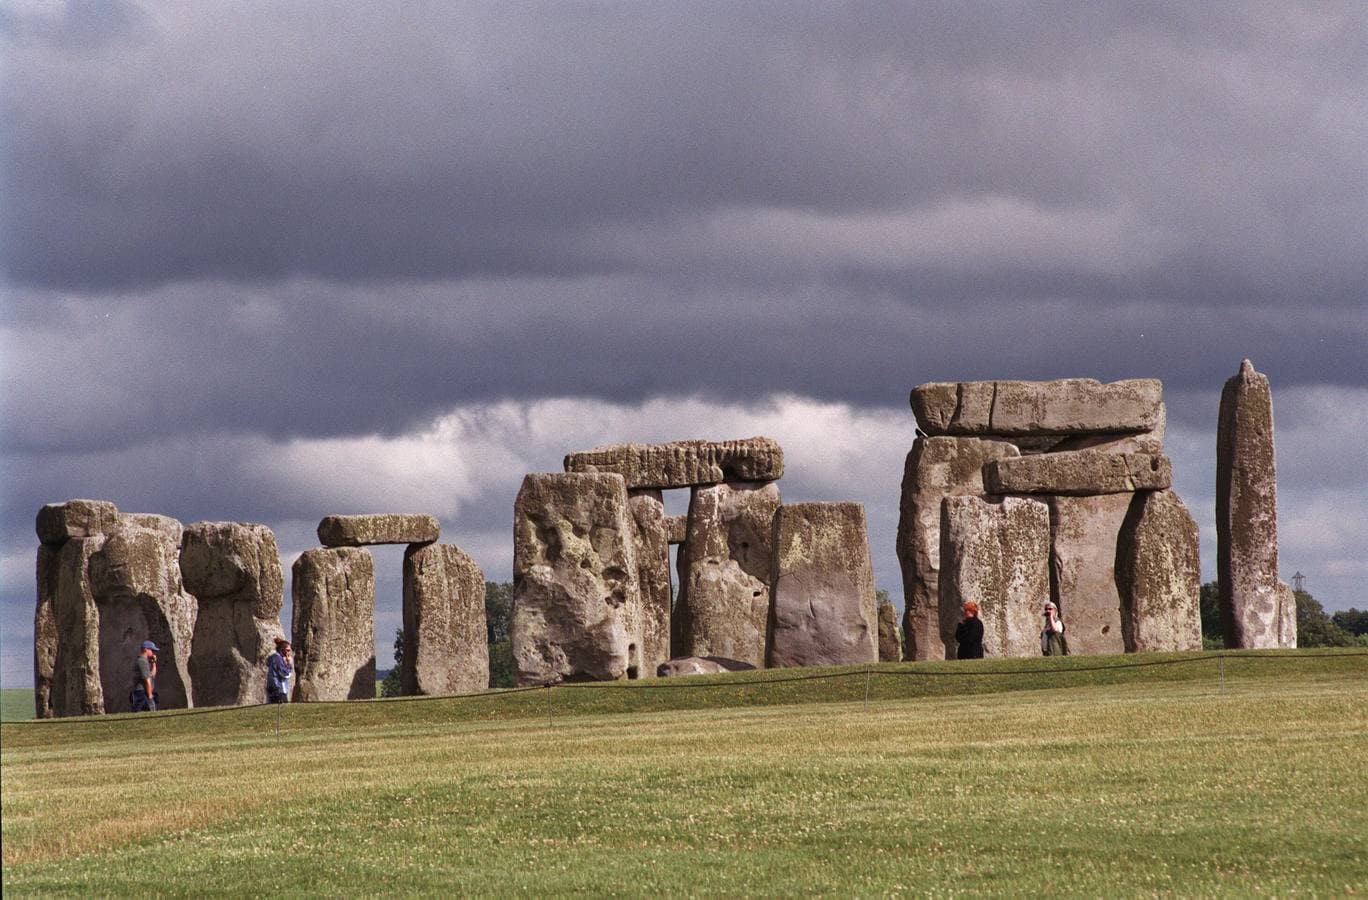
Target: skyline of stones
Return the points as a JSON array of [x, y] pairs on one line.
[[273, 263]]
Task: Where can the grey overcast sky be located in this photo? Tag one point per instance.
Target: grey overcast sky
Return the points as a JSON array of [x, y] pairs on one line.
[[266, 261]]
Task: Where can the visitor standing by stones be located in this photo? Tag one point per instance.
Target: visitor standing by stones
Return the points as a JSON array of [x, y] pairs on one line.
[[144, 695], [969, 633], [1052, 642], [279, 668]]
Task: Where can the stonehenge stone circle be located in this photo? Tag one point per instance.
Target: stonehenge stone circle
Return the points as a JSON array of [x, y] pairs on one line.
[[1158, 576], [936, 468], [135, 578], [1078, 472], [684, 463], [823, 583], [445, 635], [1252, 599], [232, 569], [333, 592], [359, 531], [890, 641], [1067, 406], [723, 607], [647, 510], [1083, 545], [576, 595], [996, 554]]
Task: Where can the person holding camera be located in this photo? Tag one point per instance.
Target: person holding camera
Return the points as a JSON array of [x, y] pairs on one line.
[[1052, 641], [144, 695], [969, 633], [279, 668]]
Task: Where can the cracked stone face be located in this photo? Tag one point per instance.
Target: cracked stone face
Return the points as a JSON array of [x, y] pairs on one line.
[[1158, 575], [445, 636], [333, 592]]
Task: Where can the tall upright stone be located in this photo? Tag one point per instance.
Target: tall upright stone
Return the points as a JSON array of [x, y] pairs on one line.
[[936, 468], [76, 686], [823, 584], [233, 571], [724, 600], [651, 534], [45, 630], [1252, 599], [1158, 575], [333, 591], [890, 641], [576, 594], [139, 594], [996, 554], [446, 648], [1084, 533]]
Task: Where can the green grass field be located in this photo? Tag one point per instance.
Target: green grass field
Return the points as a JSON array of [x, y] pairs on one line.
[[1172, 779], [16, 704]]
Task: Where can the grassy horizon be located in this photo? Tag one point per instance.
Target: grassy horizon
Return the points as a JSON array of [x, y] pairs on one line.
[[1125, 781]]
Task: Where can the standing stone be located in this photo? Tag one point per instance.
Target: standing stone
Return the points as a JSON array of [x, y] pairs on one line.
[[233, 571], [76, 687], [1158, 575], [446, 648], [359, 531], [676, 529], [576, 597], [1287, 616], [890, 641], [59, 522], [653, 574], [1247, 514], [1084, 532], [823, 582], [1078, 472], [684, 463], [1067, 406], [45, 630], [724, 599], [139, 595], [936, 468], [333, 591], [996, 554]]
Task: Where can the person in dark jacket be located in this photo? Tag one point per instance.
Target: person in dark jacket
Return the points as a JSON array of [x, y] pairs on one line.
[[143, 697], [969, 633], [279, 668]]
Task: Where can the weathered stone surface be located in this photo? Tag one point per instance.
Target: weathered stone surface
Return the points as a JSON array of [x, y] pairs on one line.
[[1084, 532], [700, 665], [684, 463], [823, 584], [386, 528], [136, 582], [723, 607], [576, 597], [647, 509], [1151, 441], [45, 630], [676, 529], [1078, 472], [996, 554], [333, 592], [1287, 617], [1158, 575], [233, 571], [1066, 406], [936, 468], [1247, 513], [172, 531], [59, 522], [76, 686], [445, 633], [890, 639]]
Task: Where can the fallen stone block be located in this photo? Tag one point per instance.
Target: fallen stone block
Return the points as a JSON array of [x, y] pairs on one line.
[[997, 555], [232, 569], [701, 665], [723, 607], [1064, 407], [1078, 473], [1158, 575], [333, 592], [936, 468], [59, 522], [684, 463], [360, 531], [823, 582], [647, 510], [1084, 533], [890, 639], [576, 594], [445, 631]]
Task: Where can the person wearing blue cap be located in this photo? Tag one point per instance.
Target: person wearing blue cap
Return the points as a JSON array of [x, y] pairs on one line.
[[144, 696]]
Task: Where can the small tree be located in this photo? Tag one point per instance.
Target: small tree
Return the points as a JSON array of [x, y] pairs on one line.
[[390, 687], [498, 624], [1315, 628], [1354, 621]]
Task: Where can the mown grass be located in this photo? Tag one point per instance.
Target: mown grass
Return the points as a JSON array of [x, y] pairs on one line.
[[1124, 781], [16, 704]]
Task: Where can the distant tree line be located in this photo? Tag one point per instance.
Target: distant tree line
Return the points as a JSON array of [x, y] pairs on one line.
[[1347, 628]]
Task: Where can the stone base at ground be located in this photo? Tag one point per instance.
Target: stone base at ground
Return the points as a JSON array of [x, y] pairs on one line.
[[650, 533], [445, 634], [1159, 576]]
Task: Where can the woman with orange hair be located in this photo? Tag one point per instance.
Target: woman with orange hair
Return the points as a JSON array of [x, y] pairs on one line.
[[969, 633]]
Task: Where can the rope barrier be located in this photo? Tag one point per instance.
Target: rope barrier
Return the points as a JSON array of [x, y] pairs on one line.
[[679, 683]]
